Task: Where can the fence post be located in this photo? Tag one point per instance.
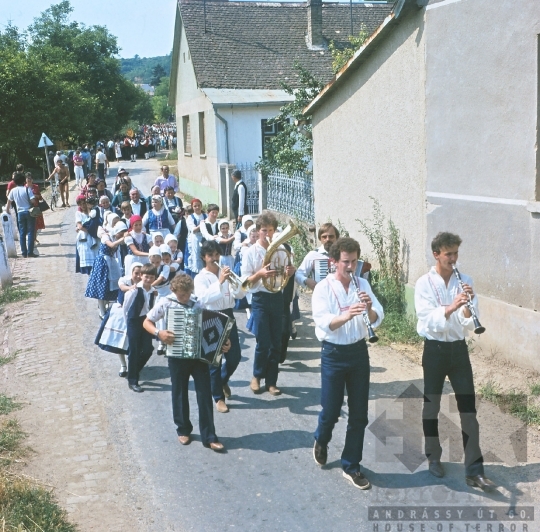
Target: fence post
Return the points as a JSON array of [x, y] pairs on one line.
[[262, 192], [6, 279], [9, 239]]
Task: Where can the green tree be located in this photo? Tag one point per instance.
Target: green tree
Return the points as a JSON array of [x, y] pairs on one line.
[[291, 150], [341, 54], [160, 101], [158, 72]]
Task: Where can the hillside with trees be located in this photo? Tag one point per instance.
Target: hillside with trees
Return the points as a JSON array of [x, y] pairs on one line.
[[141, 69]]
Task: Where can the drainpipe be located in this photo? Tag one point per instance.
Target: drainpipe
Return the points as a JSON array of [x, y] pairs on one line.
[[226, 134]]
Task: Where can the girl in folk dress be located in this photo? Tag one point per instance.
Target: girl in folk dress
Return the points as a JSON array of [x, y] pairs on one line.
[[177, 257], [137, 242], [118, 151], [103, 282], [193, 262], [225, 240], [85, 245], [158, 218], [112, 335]]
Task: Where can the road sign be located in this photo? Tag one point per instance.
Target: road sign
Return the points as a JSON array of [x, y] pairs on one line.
[[44, 141]]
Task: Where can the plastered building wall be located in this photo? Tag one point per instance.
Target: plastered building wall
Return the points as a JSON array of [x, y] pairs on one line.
[[369, 140]]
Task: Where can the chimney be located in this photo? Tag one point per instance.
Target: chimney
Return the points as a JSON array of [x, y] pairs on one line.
[[315, 39]]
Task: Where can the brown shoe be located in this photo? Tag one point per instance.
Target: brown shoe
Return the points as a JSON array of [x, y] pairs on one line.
[[215, 446], [222, 407], [255, 385], [184, 440], [272, 390], [226, 391]]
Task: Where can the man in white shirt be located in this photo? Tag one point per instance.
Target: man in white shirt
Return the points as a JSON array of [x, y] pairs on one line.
[[138, 206], [166, 180], [214, 292], [444, 320], [339, 325], [239, 198], [101, 163], [316, 264]]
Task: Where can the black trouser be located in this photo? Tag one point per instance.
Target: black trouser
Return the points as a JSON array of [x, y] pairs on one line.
[[181, 369], [441, 359], [140, 348]]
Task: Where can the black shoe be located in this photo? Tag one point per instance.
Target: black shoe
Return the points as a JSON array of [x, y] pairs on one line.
[[436, 469], [320, 454], [135, 388], [358, 480], [123, 372], [33, 255], [480, 481], [161, 351]]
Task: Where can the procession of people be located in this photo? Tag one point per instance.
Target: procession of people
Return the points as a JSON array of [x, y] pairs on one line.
[[148, 257]]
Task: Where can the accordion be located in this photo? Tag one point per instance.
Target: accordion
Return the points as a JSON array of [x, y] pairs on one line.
[[321, 268], [199, 333]]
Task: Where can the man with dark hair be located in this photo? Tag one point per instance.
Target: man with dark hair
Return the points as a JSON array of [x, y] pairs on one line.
[[239, 198], [61, 174], [444, 321], [339, 325]]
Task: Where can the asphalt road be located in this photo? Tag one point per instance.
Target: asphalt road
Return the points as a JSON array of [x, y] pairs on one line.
[[267, 480]]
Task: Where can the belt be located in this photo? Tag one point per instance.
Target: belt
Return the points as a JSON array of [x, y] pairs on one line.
[[330, 344], [440, 342]]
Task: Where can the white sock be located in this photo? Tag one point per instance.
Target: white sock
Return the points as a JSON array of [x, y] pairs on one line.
[[122, 358], [102, 306]]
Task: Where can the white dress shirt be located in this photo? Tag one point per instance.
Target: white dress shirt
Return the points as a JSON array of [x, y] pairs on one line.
[[130, 296], [136, 207], [252, 262], [330, 300], [210, 293], [204, 230], [431, 297], [241, 197]]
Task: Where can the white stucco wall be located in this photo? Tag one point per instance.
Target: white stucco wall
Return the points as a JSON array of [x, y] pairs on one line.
[[369, 140]]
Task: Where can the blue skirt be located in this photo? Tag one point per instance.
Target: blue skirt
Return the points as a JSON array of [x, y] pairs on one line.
[[98, 283]]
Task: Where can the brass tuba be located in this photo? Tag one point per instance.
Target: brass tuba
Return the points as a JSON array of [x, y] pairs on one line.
[[279, 259]]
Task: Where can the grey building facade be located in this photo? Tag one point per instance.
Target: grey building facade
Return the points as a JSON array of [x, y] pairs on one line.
[[438, 116]]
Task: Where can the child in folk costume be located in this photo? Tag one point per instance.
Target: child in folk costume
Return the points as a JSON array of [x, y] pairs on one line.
[[85, 245], [158, 240], [177, 256], [181, 230], [210, 229], [103, 282], [137, 242], [241, 235], [214, 292], [192, 260], [112, 335], [252, 236], [158, 218], [225, 240], [182, 368], [137, 303]]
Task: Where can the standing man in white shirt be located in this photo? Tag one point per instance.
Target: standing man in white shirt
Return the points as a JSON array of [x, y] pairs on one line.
[[337, 312], [444, 321], [101, 163], [239, 198], [214, 292], [166, 180]]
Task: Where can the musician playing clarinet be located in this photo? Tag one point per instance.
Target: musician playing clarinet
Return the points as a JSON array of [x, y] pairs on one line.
[[444, 320], [182, 368], [339, 325]]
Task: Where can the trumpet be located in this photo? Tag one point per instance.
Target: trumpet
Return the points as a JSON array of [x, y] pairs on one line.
[[234, 280], [478, 329], [372, 337]]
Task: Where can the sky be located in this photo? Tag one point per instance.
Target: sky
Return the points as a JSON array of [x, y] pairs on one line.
[[142, 27]]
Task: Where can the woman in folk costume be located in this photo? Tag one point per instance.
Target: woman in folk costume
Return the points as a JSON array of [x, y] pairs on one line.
[[158, 218], [103, 282], [192, 258], [225, 240], [138, 243], [85, 245], [112, 335]]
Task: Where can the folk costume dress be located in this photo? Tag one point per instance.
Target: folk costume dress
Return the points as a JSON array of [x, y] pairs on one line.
[[141, 242], [86, 246], [103, 282], [192, 260]]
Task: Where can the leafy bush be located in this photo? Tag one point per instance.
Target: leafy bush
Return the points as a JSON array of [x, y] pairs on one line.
[[340, 55]]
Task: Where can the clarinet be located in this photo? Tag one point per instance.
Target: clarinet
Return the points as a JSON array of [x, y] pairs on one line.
[[478, 329], [372, 337]]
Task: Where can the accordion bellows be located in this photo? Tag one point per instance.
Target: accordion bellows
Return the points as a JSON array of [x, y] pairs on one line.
[[198, 333]]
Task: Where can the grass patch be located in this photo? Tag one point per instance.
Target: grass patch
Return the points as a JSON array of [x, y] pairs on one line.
[[25, 506], [13, 294], [535, 389], [7, 404], [398, 328], [9, 358], [28, 507], [512, 402], [172, 155]]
